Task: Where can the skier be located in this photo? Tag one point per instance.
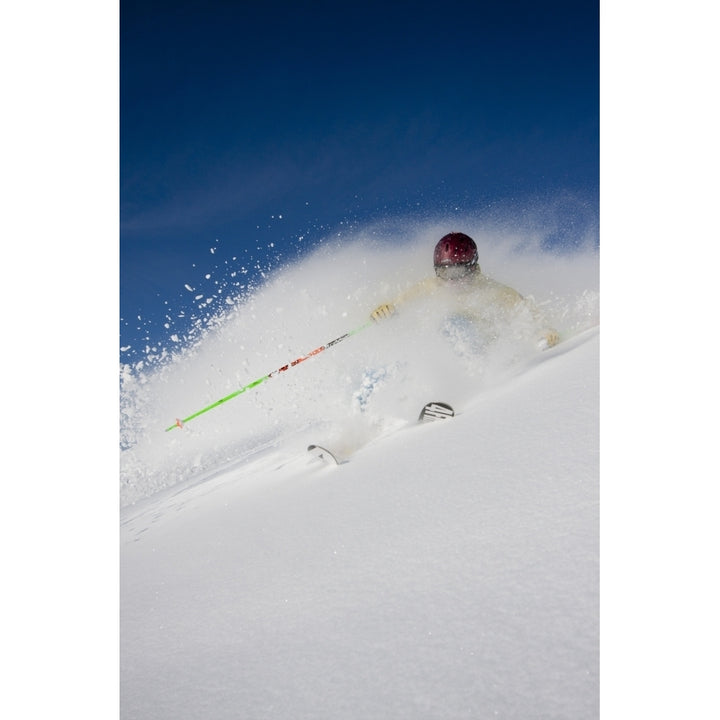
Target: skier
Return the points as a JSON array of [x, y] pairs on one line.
[[480, 299]]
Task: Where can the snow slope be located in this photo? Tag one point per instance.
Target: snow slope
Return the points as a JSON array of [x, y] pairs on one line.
[[450, 570]]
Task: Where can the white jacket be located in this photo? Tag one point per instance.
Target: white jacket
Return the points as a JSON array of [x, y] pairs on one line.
[[478, 298]]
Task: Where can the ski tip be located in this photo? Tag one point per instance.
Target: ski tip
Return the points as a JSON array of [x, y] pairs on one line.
[[324, 454], [436, 411]]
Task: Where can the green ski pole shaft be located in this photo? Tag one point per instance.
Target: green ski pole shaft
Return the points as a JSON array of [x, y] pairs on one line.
[[180, 422]]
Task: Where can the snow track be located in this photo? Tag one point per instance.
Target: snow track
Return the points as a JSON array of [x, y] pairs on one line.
[[449, 570]]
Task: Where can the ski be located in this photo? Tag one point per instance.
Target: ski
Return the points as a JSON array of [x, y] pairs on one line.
[[436, 411], [325, 455], [430, 412]]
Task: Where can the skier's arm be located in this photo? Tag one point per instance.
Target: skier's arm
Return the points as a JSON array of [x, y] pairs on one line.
[[548, 336], [387, 309]]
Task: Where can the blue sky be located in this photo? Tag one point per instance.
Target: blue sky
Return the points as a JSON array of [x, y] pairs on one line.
[[246, 126]]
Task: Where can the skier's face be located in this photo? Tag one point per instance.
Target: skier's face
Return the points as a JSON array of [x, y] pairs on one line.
[[460, 271]]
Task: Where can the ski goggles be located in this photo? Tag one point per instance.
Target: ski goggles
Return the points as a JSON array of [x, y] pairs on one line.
[[455, 272]]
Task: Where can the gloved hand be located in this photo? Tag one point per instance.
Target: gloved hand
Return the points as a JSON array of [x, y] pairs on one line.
[[383, 312], [548, 339]]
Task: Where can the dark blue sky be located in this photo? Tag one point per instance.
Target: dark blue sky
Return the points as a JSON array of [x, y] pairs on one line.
[[246, 125]]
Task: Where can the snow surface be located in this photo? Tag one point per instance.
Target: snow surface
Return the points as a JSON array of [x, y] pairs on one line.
[[449, 570]]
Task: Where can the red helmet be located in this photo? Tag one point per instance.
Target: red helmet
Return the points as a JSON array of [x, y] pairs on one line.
[[456, 250]]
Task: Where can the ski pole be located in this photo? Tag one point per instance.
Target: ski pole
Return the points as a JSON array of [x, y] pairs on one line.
[[179, 423]]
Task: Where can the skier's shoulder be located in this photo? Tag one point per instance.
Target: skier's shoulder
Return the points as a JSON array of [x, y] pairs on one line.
[[502, 292]]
